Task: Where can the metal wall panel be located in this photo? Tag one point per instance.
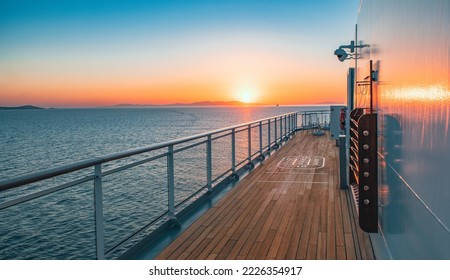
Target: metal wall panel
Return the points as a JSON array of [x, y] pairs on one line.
[[410, 46], [335, 122]]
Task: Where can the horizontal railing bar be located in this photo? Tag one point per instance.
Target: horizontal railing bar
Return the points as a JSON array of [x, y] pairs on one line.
[[222, 175], [189, 146], [49, 173], [245, 161], [191, 196], [254, 154], [52, 172], [221, 136], [318, 113], [256, 125], [128, 166], [136, 233], [45, 192], [243, 129]]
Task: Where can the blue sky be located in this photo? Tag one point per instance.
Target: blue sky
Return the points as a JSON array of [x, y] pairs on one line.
[[109, 39]]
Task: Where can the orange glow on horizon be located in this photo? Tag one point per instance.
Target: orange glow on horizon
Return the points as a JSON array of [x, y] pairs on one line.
[[282, 94], [142, 59], [253, 74]]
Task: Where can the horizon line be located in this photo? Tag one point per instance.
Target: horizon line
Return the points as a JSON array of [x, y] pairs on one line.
[[193, 104]]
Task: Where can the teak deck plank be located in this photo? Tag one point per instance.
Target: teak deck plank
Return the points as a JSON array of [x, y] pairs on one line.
[[339, 222], [280, 212], [331, 232]]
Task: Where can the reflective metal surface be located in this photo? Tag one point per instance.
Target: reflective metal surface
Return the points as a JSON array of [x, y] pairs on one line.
[[410, 49]]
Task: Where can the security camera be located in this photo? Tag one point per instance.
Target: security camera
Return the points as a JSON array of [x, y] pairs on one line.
[[341, 54]]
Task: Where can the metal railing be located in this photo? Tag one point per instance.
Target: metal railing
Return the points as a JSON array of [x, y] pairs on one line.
[[262, 137], [315, 119]]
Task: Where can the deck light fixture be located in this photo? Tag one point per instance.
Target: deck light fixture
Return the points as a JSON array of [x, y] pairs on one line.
[[343, 54]]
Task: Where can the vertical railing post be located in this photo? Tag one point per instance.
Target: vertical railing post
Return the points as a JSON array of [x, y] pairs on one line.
[[285, 127], [209, 163], [289, 124], [260, 139], [171, 182], [275, 131], [249, 142], [292, 123], [233, 150], [268, 136], [98, 206], [281, 130], [294, 119]]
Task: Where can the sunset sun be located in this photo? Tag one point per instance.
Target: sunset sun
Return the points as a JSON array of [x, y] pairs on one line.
[[246, 95]]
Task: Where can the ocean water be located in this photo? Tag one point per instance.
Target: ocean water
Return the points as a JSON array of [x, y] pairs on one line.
[[61, 225]]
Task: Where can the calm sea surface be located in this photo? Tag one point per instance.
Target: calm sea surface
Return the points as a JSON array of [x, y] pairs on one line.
[[61, 225]]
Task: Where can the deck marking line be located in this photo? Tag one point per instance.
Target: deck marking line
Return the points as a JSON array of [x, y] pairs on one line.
[[302, 162]]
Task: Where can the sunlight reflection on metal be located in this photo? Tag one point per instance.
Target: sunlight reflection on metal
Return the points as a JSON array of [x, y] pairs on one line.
[[433, 93]]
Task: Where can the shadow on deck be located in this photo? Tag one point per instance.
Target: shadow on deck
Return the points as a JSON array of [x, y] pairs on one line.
[[290, 207]]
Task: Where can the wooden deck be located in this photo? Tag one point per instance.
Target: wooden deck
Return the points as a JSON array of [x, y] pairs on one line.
[[281, 211]]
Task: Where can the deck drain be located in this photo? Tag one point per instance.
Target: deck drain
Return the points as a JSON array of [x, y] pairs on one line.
[[311, 162]]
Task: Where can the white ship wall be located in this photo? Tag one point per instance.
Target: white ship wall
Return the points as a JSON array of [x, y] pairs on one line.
[[410, 49]]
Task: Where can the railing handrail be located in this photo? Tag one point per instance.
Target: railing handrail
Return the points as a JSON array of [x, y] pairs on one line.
[[287, 126], [314, 111], [61, 170]]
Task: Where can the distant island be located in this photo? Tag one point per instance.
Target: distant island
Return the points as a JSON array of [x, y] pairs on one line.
[[201, 103], [25, 107]]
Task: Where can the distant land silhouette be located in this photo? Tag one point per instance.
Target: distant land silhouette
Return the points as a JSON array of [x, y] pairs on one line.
[[201, 103], [330, 103], [194, 104], [25, 107]]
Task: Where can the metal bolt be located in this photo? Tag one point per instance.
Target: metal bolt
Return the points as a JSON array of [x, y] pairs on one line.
[[365, 147], [366, 133], [366, 174], [366, 201], [366, 160], [366, 188]]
